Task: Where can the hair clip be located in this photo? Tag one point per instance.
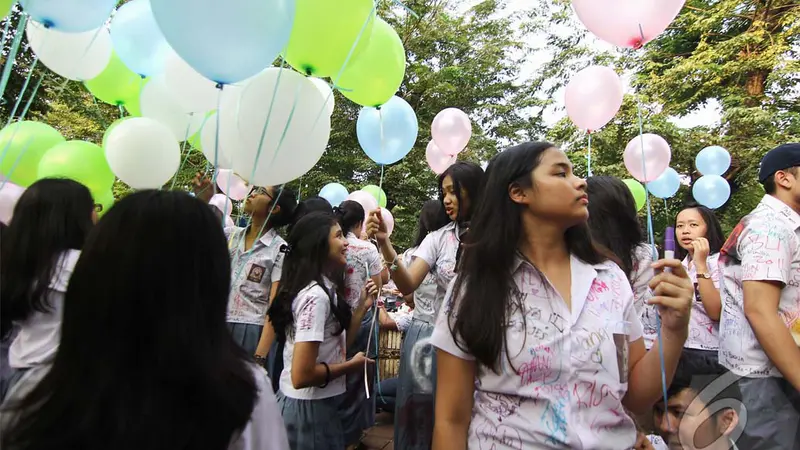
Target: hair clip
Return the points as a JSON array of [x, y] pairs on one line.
[[336, 210], [286, 248]]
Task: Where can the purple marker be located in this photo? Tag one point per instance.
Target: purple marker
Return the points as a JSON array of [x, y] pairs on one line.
[[669, 244]]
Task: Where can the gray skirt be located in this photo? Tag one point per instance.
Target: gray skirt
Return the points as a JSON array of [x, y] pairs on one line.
[[416, 390], [312, 424], [356, 410], [246, 335]]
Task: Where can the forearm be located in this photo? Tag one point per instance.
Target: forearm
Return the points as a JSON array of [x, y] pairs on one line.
[[355, 325], [400, 275], [644, 384], [266, 340], [318, 375], [778, 344], [709, 295], [449, 435]]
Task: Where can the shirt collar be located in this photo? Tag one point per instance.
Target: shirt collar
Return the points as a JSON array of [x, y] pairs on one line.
[[784, 211]]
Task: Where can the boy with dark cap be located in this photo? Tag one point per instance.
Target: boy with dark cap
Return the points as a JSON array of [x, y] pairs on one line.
[[760, 322]]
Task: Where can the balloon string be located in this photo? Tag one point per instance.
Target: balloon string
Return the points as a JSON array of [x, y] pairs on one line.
[[22, 91], [408, 10], [5, 29], [380, 186], [216, 142], [30, 99], [266, 121], [589, 155], [12, 53], [186, 157], [383, 155], [285, 127], [121, 111]]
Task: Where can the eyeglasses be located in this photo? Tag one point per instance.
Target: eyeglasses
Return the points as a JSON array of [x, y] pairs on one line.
[[261, 191]]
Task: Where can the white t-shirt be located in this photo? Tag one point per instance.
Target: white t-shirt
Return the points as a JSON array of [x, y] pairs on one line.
[[360, 256], [314, 322], [425, 306], [569, 368], [703, 331], [39, 335], [439, 250], [764, 246], [640, 279], [269, 431]]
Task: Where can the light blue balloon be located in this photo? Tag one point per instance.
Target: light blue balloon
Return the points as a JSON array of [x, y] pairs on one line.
[[666, 185], [226, 41], [335, 193], [138, 40], [69, 16], [713, 160], [387, 133], [711, 191]]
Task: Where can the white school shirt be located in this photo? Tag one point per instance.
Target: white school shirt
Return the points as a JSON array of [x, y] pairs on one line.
[[640, 278], [703, 331], [425, 306], [314, 322], [253, 273], [39, 335], [360, 255], [439, 250], [764, 246], [569, 369], [264, 430]]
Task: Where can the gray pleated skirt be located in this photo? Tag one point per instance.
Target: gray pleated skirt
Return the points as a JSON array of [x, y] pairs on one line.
[[312, 424], [416, 390], [246, 335], [356, 410]]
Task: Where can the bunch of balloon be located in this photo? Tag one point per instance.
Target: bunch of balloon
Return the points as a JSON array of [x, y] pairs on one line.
[[451, 131], [712, 190]]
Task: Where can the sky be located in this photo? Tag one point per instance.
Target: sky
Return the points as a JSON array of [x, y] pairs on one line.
[[707, 115]]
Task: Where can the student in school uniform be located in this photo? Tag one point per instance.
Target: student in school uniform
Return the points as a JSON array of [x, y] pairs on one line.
[[700, 238], [539, 343], [760, 324], [312, 317], [146, 360], [39, 250], [363, 264], [459, 193], [255, 262]]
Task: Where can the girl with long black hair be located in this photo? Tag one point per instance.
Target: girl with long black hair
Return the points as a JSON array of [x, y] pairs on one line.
[[146, 360], [459, 193], [40, 248], [539, 343], [311, 316]]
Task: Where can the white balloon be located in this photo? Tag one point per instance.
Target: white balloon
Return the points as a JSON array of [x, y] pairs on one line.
[[297, 128], [194, 92], [143, 153], [9, 195], [326, 91], [76, 56], [208, 140], [157, 102]]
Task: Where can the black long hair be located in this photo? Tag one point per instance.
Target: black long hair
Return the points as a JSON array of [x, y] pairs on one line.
[[468, 176], [613, 220], [144, 340], [431, 218], [714, 234], [307, 255], [485, 272], [51, 216], [307, 206], [286, 200], [349, 214]]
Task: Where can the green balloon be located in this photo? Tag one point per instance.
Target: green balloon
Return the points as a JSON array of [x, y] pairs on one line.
[[5, 7], [105, 199], [22, 145], [81, 161], [323, 33], [376, 192], [117, 85], [111, 127], [638, 191], [373, 78]]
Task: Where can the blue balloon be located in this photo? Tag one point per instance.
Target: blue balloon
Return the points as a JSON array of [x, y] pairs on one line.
[[713, 160], [387, 133], [226, 41], [335, 193], [138, 40], [69, 16], [711, 191], [666, 185]]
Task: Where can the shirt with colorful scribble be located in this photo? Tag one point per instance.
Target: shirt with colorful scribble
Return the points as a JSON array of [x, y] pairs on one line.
[[360, 256], [563, 373], [439, 249], [640, 278], [703, 330], [764, 246], [314, 322], [425, 295]]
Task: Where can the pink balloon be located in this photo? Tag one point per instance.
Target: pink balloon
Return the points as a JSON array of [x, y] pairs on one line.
[[451, 129], [9, 195], [228, 222], [222, 203], [388, 219], [593, 97], [365, 199], [437, 160], [656, 155], [627, 23], [231, 185]]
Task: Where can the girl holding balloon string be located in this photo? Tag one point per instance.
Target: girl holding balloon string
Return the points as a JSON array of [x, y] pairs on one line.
[[459, 193]]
